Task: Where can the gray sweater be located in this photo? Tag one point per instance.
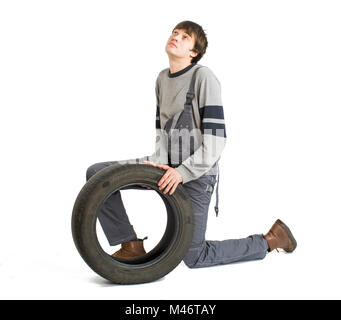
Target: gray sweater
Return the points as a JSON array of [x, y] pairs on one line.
[[208, 132]]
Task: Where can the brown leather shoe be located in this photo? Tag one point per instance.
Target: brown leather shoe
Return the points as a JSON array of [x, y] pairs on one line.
[[280, 236], [130, 249]]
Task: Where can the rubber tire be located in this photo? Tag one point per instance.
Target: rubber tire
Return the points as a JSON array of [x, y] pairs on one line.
[[164, 257]]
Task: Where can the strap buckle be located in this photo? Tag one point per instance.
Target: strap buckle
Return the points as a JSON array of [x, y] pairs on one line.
[[216, 211], [190, 95]]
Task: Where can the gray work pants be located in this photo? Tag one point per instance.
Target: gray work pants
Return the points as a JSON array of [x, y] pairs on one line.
[[202, 253]]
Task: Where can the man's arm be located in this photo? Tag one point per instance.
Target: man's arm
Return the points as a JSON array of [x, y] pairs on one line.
[[212, 128]]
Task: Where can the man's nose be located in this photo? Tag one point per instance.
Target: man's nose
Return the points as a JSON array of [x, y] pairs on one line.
[[176, 38]]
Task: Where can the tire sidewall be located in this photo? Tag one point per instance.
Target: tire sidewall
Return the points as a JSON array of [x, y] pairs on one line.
[[98, 188]]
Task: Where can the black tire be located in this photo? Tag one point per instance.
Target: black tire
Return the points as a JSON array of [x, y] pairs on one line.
[[164, 257]]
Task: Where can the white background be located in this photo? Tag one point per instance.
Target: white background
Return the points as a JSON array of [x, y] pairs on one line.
[[77, 87]]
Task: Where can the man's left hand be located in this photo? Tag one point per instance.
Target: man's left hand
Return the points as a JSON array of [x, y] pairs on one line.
[[170, 179]]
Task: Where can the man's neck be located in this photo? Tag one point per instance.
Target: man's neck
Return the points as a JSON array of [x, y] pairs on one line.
[[175, 66]]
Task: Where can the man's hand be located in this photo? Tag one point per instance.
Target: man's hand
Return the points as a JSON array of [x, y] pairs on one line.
[[170, 179]]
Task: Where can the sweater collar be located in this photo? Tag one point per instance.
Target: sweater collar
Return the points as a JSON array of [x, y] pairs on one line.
[[180, 72]]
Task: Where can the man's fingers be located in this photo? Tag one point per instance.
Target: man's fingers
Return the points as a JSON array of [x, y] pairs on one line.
[[149, 162], [163, 166], [170, 184], [166, 183], [174, 188], [165, 179]]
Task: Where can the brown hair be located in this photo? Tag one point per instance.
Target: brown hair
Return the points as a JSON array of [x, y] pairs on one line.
[[200, 43]]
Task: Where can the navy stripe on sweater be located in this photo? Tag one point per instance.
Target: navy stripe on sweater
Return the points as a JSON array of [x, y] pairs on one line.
[[157, 121], [157, 124], [216, 112], [216, 129], [208, 115]]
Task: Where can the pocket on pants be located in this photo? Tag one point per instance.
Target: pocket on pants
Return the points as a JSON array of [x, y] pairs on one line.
[[209, 181]]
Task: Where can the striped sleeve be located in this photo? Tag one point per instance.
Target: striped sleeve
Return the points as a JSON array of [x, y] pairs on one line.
[[212, 129], [212, 120]]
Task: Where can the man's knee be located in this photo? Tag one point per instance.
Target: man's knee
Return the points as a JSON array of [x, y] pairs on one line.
[[190, 263], [98, 167], [192, 257], [91, 171]]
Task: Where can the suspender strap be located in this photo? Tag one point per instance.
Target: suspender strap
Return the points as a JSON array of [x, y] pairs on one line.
[[190, 93], [217, 196], [188, 107]]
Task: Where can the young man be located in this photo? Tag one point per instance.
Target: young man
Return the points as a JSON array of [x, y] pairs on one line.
[[189, 102]]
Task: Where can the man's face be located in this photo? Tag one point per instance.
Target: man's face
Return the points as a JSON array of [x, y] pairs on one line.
[[180, 45]]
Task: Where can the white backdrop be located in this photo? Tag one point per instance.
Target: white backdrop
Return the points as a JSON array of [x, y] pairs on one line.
[[77, 87]]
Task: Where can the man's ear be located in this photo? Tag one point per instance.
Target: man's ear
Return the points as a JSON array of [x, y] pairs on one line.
[[193, 53]]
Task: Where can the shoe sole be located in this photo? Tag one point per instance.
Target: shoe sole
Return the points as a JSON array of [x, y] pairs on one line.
[[291, 237]]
